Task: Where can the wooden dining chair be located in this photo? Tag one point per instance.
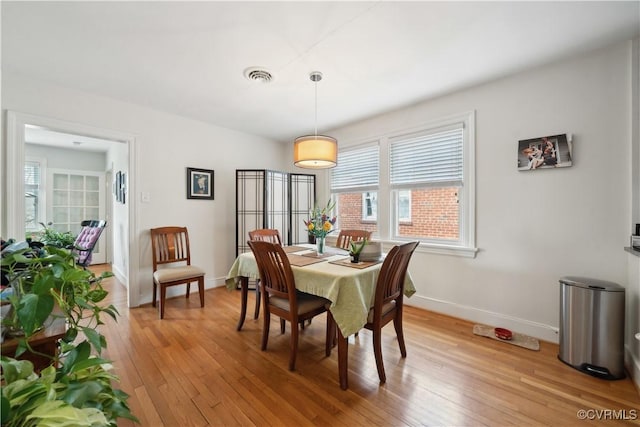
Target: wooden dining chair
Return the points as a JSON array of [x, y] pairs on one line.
[[280, 296], [347, 236], [265, 235], [172, 263], [388, 300]]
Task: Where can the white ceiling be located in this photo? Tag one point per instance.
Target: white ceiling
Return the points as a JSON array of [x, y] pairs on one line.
[[188, 58]]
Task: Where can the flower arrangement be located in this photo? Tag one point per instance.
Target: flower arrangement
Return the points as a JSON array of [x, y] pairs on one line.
[[321, 222]]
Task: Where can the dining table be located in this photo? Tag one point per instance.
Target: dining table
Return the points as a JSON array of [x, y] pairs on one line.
[[350, 287]]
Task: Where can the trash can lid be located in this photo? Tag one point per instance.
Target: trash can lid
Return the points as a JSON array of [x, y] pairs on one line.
[[585, 282]]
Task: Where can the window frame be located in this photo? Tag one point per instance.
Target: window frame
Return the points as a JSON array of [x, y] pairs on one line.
[[465, 246], [42, 191]]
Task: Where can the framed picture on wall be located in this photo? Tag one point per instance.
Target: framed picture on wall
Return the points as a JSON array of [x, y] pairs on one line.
[[546, 152], [118, 186], [199, 184], [123, 188]]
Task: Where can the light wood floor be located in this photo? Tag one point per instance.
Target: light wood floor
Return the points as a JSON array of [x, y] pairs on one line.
[[194, 369]]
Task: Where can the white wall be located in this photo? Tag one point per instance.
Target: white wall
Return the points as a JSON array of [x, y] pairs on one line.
[[118, 224], [62, 158], [166, 145], [533, 227]]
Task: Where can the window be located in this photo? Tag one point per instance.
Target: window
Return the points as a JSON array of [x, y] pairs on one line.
[[354, 184], [369, 206], [33, 194], [404, 206], [427, 183]]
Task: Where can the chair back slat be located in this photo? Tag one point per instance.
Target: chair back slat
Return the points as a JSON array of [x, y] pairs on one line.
[[170, 245], [266, 235], [390, 285], [276, 276], [347, 236]]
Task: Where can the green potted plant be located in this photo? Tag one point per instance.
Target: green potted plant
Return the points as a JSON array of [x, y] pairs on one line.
[[52, 237], [76, 388], [356, 248]]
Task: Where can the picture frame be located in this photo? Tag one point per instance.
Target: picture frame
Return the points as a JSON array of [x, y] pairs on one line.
[[118, 186], [200, 184], [546, 152], [123, 188]]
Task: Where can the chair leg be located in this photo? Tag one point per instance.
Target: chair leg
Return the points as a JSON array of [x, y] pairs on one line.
[[163, 297], [265, 329], [257, 310], [377, 351], [397, 324], [153, 302], [293, 347], [188, 290], [283, 326], [201, 290]]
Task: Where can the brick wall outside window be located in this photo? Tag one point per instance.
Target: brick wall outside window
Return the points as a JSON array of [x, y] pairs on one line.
[[434, 214]]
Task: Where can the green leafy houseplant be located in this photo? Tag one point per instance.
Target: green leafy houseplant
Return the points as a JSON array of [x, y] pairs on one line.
[[76, 389], [52, 237]]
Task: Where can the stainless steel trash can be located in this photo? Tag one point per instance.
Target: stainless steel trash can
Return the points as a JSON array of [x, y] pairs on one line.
[[592, 326]]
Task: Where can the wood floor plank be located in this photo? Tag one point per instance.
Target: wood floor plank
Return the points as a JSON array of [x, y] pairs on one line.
[[194, 369]]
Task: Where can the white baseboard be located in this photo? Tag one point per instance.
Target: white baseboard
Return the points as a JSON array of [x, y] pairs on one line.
[[633, 366], [523, 326], [120, 275]]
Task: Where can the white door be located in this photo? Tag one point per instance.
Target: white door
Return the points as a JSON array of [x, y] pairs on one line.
[[74, 196]]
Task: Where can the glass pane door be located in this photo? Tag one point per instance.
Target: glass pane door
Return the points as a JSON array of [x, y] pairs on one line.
[[76, 196]]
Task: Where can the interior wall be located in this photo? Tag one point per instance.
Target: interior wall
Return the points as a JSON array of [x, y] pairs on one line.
[[63, 158], [166, 145], [532, 227], [117, 160]]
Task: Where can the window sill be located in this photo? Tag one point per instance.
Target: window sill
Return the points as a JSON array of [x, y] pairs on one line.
[[432, 248]]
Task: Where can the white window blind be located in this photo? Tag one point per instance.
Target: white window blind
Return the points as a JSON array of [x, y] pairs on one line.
[[434, 158], [359, 168], [32, 173]]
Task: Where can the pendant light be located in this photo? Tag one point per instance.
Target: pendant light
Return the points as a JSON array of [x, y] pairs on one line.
[[315, 151]]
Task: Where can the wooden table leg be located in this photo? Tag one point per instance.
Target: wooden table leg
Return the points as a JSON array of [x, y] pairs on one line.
[[244, 289], [343, 359]]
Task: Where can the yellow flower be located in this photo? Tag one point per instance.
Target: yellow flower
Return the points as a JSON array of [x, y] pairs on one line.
[[326, 226], [310, 226]]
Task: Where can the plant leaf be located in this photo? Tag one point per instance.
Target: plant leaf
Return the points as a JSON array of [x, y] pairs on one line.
[[33, 310], [5, 408]]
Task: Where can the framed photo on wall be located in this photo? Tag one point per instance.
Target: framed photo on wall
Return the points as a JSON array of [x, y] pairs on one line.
[[547, 152], [199, 184]]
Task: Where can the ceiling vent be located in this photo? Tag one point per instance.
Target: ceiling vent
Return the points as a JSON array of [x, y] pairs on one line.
[[256, 74]]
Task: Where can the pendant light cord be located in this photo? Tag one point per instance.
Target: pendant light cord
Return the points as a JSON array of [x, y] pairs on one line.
[[316, 116]]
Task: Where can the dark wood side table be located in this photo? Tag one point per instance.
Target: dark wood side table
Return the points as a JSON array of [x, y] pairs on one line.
[[44, 341]]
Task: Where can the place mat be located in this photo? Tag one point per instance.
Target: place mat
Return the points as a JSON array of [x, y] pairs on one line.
[[362, 264], [301, 260], [317, 255], [289, 249], [520, 340]]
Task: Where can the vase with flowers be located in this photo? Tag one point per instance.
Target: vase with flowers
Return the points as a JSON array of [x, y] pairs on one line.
[[320, 224]]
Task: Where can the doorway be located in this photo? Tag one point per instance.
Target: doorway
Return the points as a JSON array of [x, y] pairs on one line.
[[122, 158]]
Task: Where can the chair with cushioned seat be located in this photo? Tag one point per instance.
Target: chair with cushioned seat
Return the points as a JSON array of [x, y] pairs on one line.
[[172, 263], [265, 235], [388, 302], [280, 296], [86, 241]]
